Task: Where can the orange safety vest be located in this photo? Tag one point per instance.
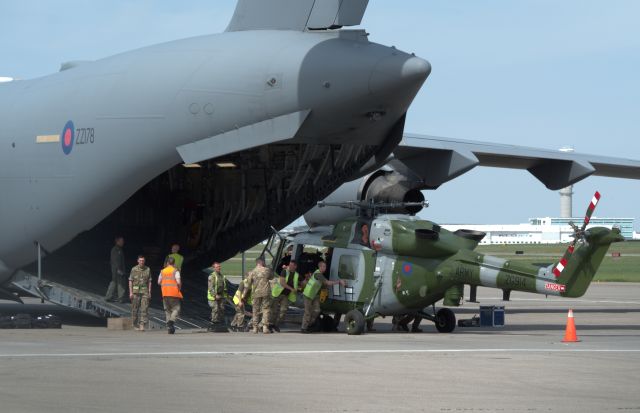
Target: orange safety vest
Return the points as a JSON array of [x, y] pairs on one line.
[[168, 284]]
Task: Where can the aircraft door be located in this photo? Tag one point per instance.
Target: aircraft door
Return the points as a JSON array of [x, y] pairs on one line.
[[386, 301], [347, 265]]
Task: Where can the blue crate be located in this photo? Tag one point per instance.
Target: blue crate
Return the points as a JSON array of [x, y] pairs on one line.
[[491, 315]]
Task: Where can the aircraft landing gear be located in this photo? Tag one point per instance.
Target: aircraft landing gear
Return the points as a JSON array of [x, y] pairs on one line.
[[354, 322], [444, 319]]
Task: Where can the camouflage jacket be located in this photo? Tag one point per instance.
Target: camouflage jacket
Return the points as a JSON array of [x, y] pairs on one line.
[[258, 282], [139, 278]]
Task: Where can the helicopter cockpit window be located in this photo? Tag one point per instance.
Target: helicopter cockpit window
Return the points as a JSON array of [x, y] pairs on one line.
[[348, 267], [362, 232]]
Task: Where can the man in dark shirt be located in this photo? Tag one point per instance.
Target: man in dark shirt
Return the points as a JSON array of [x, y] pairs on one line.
[[117, 284]]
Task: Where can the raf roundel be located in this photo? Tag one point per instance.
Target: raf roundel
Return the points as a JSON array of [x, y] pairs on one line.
[[67, 138], [407, 268]]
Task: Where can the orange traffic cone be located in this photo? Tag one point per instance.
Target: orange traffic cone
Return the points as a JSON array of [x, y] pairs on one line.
[[570, 333]]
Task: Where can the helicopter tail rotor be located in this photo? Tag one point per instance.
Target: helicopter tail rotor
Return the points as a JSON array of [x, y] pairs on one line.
[[578, 234]]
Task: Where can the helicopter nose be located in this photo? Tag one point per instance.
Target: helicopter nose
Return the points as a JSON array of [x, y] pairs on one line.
[[398, 70]]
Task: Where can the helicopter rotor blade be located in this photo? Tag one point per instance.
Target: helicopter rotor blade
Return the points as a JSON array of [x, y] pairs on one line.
[[557, 270], [592, 207]]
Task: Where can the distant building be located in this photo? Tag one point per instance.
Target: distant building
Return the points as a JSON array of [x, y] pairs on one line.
[[636, 235], [625, 224], [543, 230]]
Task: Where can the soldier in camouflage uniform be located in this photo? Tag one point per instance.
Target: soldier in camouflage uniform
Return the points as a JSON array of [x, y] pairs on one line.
[[258, 283], [238, 323], [140, 293], [311, 287], [216, 294], [283, 293]]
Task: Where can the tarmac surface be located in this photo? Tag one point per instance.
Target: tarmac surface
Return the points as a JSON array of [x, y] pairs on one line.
[[521, 367]]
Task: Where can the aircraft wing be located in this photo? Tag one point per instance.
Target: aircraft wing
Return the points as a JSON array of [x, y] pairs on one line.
[[438, 160], [296, 14]]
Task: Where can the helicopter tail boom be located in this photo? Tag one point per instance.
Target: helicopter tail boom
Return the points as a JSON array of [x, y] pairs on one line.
[[583, 263], [578, 270]]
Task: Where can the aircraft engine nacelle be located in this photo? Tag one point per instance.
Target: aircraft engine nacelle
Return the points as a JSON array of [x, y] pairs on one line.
[[387, 186]]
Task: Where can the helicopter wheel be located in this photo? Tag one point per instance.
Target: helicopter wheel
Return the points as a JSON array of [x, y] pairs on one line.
[[354, 323], [445, 320]]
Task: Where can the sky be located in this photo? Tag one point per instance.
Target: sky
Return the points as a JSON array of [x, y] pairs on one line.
[[538, 73]]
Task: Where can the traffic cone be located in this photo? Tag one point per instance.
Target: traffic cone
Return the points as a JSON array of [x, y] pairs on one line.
[[570, 335]]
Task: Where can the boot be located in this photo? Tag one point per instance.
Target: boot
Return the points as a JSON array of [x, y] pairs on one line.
[[170, 327], [141, 327], [265, 330], [275, 328], [255, 330]]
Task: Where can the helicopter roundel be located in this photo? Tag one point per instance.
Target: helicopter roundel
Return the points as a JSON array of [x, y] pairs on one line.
[[407, 268]]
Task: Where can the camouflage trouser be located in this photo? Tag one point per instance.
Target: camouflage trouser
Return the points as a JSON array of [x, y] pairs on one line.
[[311, 311], [171, 308], [140, 309], [238, 320], [279, 309], [217, 311], [261, 311]]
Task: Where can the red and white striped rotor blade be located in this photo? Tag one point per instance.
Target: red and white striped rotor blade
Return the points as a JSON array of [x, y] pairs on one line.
[[560, 266], [592, 207]]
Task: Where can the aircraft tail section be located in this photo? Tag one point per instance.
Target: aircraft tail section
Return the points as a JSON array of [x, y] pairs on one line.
[[568, 278], [580, 265], [297, 15]]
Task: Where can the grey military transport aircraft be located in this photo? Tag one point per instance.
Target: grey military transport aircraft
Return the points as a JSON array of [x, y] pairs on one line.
[[213, 139]]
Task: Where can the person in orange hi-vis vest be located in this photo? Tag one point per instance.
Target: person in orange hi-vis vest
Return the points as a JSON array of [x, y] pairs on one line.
[[169, 282]]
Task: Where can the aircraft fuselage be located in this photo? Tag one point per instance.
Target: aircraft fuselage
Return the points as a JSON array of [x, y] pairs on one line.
[[79, 143]]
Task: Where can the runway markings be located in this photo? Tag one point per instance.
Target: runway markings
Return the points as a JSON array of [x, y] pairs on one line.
[[314, 352], [559, 300]]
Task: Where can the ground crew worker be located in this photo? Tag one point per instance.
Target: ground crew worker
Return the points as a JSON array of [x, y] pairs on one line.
[[169, 282], [177, 258], [284, 292], [238, 323], [117, 286], [312, 286], [216, 295], [258, 284], [140, 293]]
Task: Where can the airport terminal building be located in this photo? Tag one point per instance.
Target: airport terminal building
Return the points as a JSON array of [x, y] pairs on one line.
[[546, 230]]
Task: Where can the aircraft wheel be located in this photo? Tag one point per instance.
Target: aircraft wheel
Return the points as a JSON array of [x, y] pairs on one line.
[[354, 323], [445, 320]]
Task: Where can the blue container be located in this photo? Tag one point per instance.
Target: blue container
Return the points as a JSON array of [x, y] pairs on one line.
[[486, 316], [491, 316]]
